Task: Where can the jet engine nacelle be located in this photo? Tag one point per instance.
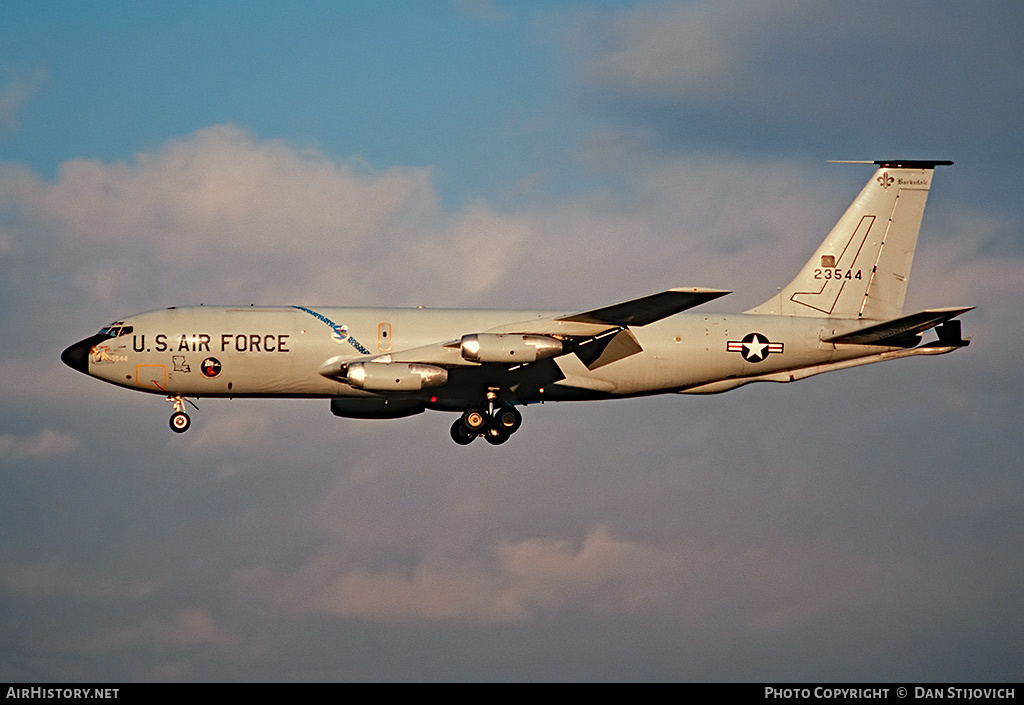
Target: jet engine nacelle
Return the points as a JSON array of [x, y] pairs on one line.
[[395, 376], [502, 347]]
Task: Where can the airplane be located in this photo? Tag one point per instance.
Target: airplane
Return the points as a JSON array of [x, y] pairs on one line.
[[843, 309]]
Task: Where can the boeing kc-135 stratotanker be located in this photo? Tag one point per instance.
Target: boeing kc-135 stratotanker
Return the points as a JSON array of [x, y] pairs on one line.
[[843, 309]]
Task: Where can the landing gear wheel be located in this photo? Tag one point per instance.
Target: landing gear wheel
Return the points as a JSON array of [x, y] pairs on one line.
[[180, 422], [475, 421], [462, 435], [495, 436], [508, 419]]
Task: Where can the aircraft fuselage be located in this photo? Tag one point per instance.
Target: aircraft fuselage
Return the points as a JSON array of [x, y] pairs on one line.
[[212, 351], [844, 308]]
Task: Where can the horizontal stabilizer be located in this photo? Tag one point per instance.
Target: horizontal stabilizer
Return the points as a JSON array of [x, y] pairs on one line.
[[647, 309], [898, 329], [898, 163]]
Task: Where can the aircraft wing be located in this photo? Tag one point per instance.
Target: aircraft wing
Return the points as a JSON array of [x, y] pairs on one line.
[[647, 309], [635, 312], [608, 325], [598, 337], [898, 330]]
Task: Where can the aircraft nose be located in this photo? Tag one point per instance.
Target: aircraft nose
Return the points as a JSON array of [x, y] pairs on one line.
[[77, 356]]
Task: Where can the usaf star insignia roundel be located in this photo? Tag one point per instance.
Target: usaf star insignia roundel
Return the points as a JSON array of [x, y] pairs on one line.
[[754, 347]]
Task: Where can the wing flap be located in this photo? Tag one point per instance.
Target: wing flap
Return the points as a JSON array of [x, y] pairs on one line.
[[894, 331], [606, 348]]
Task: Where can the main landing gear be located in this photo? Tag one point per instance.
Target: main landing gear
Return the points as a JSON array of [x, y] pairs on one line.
[[494, 427], [180, 421]]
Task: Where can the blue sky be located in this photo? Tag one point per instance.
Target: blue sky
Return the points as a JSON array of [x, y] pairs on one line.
[[395, 83], [858, 526]]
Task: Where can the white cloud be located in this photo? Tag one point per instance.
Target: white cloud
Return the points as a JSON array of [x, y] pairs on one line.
[[524, 578], [191, 626], [220, 217], [604, 574], [782, 584], [54, 577], [223, 217], [676, 49], [870, 75], [229, 428], [22, 85], [482, 10], [43, 445]]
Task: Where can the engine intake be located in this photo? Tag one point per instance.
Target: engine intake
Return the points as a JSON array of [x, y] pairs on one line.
[[502, 347], [395, 376]]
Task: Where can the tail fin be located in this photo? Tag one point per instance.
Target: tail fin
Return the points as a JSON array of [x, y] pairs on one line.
[[862, 268]]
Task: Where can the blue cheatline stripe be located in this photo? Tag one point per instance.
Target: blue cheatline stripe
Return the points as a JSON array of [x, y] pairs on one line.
[[340, 333]]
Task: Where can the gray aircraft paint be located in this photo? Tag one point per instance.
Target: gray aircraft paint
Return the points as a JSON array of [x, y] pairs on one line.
[[853, 285]]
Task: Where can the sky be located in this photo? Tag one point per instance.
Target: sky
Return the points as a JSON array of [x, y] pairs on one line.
[[861, 526]]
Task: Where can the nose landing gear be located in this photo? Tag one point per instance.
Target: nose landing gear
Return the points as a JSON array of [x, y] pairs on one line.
[[180, 421]]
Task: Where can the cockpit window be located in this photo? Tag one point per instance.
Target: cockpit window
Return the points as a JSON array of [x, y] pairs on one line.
[[116, 331]]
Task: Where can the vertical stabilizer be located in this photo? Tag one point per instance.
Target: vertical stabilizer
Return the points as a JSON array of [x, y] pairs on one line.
[[862, 268]]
